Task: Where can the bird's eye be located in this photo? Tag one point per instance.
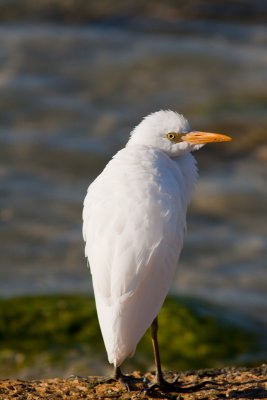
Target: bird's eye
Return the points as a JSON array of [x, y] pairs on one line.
[[171, 136]]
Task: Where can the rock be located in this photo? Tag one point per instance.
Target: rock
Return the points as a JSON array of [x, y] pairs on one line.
[[225, 383]]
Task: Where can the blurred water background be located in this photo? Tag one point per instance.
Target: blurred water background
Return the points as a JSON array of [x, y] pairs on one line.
[[75, 78]]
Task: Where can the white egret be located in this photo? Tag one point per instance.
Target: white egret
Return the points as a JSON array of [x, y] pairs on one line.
[[134, 221]]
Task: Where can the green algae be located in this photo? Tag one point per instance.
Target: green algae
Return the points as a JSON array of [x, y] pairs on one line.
[[63, 331]]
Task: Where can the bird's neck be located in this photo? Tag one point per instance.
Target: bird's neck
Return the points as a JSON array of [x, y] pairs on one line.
[[188, 166]]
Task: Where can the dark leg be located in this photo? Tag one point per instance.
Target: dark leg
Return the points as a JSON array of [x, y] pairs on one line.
[[117, 373], [154, 333], [160, 381]]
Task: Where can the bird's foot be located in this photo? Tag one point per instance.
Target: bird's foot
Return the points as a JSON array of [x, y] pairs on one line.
[[173, 387], [131, 383], [128, 381]]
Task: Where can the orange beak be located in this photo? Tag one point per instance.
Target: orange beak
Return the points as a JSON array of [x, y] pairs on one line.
[[197, 137]]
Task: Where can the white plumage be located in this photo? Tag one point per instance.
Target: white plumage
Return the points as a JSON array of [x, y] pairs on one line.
[[134, 222]]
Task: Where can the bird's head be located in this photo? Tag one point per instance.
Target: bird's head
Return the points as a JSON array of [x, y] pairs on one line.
[[171, 133]]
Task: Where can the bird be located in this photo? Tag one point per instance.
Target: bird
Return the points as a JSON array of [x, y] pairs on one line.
[[134, 222]]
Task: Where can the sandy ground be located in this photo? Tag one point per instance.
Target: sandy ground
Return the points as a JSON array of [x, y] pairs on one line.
[[226, 383]]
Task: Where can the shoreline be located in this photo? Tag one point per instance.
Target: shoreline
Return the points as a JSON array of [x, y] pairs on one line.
[[230, 382]]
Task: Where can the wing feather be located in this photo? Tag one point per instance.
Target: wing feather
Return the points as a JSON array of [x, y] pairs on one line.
[[134, 222]]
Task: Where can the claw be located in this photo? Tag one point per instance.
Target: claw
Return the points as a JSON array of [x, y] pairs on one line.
[[128, 381], [171, 387]]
